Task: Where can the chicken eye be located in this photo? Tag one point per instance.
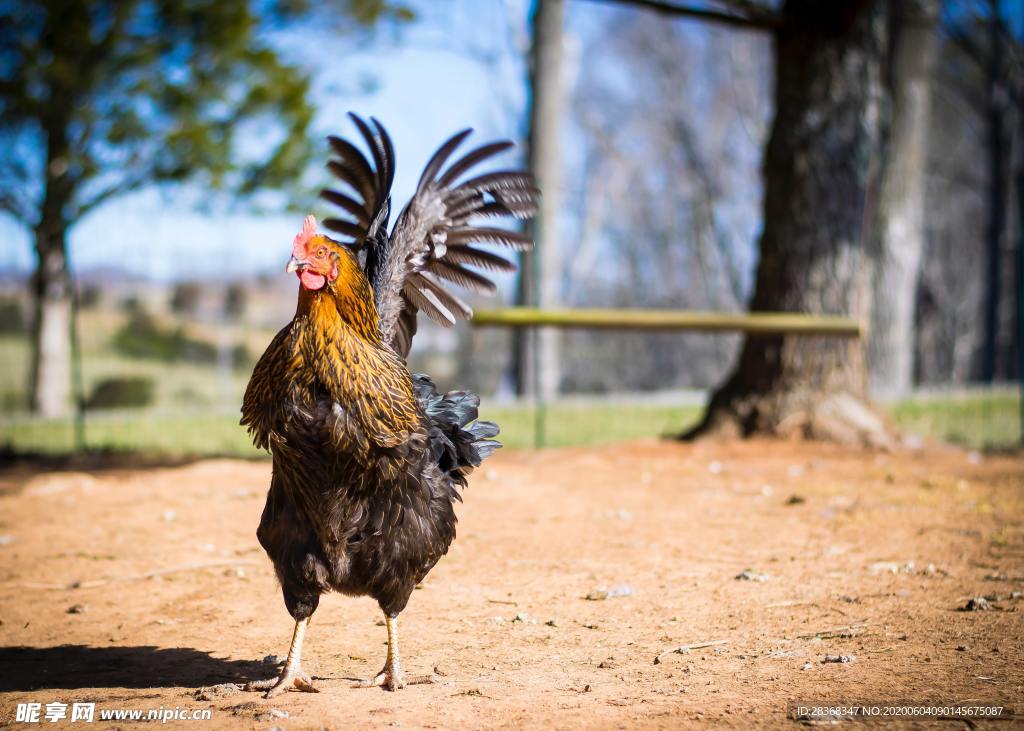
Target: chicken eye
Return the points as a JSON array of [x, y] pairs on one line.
[[321, 252]]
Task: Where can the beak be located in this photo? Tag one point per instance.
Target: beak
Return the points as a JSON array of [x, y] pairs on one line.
[[295, 265]]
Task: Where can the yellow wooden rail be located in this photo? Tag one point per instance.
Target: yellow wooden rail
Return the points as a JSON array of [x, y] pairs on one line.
[[784, 323]]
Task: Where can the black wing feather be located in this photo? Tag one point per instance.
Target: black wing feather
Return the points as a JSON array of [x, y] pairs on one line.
[[346, 228], [371, 183], [432, 241], [353, 169], [349, 205], [439, 158], [470, 159]]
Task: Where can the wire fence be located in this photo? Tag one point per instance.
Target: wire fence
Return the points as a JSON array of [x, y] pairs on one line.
[[163, 372]]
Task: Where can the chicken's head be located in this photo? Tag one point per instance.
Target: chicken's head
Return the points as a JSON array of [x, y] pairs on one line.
[[315, 258]]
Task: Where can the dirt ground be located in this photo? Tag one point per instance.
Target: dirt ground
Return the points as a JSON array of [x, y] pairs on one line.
[[844, 553]]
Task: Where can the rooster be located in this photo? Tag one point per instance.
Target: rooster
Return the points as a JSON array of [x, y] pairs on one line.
[[368, 459]]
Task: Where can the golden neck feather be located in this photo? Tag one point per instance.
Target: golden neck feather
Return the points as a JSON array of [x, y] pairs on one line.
[[342, 304], [339, 343]]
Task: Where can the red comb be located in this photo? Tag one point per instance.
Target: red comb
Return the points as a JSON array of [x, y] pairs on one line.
[[302, 237]]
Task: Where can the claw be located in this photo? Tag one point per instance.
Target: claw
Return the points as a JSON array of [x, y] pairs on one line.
[[290, 678], [394, 680], [378, 681], [293, 675], [391, 676]]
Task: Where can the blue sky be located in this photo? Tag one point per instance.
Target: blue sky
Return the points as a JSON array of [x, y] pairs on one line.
[[461, 63], [427, 86]]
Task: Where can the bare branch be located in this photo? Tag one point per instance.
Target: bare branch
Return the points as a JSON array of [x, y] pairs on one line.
[[751, 9], [756, 21], [966, 44], [112, 191], [17, 207]]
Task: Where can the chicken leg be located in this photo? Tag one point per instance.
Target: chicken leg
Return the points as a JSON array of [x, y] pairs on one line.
[[293, 676], [391, 676]]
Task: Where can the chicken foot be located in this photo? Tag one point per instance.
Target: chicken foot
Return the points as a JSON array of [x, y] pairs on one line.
[[292, 676], [391, 676]]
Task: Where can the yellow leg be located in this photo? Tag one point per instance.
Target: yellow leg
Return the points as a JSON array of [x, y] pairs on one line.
[[391, 676], [293, 675]]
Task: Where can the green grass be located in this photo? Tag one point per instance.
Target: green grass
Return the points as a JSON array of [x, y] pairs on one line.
[[989, 420], [590, 424], [13, 371], [200, 434], [971, 419], [173, 435], [195, 408], [192, 386]]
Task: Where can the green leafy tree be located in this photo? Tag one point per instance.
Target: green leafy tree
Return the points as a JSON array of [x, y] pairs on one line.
[[102, 97]]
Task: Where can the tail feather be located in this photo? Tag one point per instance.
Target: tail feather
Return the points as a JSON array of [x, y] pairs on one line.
[[458, 442], [484, 429]]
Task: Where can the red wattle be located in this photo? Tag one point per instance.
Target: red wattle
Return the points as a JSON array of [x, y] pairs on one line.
[[312, 280]]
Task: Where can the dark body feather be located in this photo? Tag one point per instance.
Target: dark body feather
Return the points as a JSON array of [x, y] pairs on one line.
[[368, 458], [346, 512]]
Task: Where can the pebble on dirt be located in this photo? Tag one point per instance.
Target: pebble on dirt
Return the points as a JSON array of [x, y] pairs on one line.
[[891, 567], [839, 658], [78, 609], [1002, 577], [977, 604], [750, 575], [601, 593]]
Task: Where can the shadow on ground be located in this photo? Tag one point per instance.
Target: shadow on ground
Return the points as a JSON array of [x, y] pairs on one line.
[[77, 666], [14, 461]]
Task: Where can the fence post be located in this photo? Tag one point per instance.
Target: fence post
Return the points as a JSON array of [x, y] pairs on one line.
[[77, 384]]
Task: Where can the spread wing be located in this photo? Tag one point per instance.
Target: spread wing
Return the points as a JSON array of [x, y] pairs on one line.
[[365, 217], [436, 240]]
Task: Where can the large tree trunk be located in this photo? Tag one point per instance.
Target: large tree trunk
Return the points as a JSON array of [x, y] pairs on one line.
[[819, 170], [1019, 258], [541, 275], [901, 228], [995, 118]]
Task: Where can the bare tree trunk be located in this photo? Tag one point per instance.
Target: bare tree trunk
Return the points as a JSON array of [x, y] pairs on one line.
[[819, 173], [547, 109], [901, 228], [50, 377], [51, 332]]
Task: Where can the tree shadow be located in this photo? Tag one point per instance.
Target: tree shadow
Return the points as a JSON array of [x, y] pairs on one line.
[[78, 666]]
